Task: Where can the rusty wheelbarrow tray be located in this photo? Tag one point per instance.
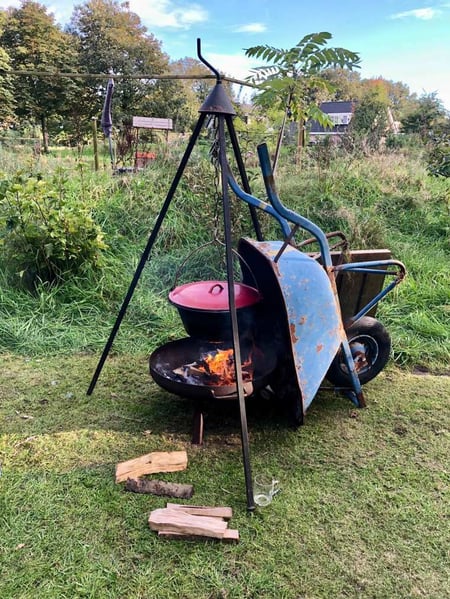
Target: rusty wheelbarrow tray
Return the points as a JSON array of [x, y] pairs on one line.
[[320, 303]]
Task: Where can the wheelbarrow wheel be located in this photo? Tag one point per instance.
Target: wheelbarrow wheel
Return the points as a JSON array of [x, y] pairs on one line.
[[370, 345]]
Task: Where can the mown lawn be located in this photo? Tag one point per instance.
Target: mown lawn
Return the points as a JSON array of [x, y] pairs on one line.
[[363, 512]]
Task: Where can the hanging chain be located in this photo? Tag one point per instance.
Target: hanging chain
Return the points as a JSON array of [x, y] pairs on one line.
[[214, 156]]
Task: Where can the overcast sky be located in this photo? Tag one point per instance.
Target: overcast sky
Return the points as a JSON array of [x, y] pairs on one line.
[[400, 40]]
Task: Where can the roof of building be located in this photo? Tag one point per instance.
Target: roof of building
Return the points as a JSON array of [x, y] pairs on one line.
[[337, 107], [342, 108]]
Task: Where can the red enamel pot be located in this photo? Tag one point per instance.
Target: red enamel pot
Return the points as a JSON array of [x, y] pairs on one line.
[[204, 308]]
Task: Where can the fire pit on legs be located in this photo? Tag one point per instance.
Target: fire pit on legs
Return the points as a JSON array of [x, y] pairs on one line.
[[204, 370]]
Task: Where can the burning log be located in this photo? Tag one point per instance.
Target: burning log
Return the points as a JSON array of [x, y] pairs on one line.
[[214, 369]]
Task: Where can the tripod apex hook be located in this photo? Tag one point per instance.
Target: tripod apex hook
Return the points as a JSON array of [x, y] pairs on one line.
[[205, 62], [217, 101]]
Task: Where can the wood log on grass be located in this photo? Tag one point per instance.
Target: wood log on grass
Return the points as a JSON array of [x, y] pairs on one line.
[[226, 513], [231, 535], [158, 461], [159, 487], [177, 521]]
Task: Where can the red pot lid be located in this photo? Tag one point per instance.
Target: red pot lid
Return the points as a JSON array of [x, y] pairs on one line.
[[213, 295]]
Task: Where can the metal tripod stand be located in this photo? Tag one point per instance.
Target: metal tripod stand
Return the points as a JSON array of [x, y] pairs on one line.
[[217, 104]]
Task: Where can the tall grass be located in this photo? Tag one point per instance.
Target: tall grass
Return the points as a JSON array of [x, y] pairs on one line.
[[386, 200], [390, 201]]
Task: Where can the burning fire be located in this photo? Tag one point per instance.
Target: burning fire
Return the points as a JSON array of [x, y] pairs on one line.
[[219, 365]]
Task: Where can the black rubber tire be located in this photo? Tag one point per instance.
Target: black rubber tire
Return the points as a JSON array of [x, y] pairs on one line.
[[370, 344]]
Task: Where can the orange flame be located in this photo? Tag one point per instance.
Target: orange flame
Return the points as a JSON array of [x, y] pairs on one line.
[[220, 365]]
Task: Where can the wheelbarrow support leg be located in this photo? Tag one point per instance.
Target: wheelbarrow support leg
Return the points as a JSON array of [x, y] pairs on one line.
[[357, 396]]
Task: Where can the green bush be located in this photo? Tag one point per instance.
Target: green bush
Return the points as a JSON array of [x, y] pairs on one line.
[[46, 232], [439, 156]]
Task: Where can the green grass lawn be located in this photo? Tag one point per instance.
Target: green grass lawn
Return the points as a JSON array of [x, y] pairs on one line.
[[363, 511]]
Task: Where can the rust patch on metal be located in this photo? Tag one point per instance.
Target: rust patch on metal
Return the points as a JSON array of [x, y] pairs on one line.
[[302, 320], [265, 245], [276, 269], [361, 400], [294, 337], [319, 347]]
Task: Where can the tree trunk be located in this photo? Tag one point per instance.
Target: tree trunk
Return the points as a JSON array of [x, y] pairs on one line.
[[300, 141], [281, 133], [279, 142]]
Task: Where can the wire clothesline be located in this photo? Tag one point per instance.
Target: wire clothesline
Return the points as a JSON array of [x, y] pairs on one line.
[[162, 76]]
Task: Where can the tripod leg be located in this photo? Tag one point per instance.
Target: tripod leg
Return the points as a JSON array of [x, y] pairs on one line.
[[234, 321], [146, 253]]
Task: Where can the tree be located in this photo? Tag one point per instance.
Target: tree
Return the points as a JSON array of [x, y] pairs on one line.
[[431, 122], [370, 120], [35, 43], [345, 85], [396, 94], [195, 91], [427, 117], [112, 39], [295, 76], [7, 102]]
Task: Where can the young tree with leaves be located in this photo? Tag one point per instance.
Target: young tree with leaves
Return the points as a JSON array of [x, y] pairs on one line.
[[295, 76], [370, 121], [427, 117]]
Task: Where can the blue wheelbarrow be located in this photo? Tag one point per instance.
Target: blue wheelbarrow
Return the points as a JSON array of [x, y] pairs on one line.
[[318, 310]]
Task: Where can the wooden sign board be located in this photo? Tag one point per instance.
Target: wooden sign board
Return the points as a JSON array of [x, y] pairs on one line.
[[146, 122]]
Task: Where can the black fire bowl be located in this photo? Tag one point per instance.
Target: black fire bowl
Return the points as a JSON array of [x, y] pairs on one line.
[[175, 354]]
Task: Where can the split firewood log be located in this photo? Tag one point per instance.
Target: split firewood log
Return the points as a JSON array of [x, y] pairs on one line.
[[158, 461]]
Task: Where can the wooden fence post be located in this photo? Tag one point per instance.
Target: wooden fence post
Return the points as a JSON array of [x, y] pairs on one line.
[[94, 139]]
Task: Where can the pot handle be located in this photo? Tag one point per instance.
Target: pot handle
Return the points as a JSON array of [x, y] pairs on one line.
[[221, 288], [200, 247]]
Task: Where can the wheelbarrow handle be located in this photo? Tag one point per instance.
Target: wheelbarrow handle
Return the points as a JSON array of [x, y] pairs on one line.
[[373, 266], [290, 215], [246, 197]]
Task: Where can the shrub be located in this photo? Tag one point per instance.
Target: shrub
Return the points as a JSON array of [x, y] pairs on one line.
[[439, 156], [45, 232]]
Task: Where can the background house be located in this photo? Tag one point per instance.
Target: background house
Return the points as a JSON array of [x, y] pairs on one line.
[[340, 114]]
